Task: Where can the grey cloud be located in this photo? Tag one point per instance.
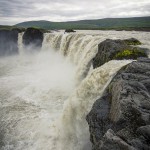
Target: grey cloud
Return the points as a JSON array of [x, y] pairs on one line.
[[15, 11]]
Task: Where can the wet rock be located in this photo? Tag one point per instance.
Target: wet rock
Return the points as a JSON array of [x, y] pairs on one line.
[[33, 37], [123, 111], [117, 49], [8, 42]]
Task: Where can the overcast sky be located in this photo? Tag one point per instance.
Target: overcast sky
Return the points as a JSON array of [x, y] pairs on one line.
[[16, 11]]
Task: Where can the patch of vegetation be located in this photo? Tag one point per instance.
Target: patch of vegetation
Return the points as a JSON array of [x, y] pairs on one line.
[[130, 54], [40, 29], [132, 41], [9, 28]]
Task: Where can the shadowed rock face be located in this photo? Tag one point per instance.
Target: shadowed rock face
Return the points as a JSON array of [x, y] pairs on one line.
[[8, 42], [117, 49], [120, 119], [33, 37]]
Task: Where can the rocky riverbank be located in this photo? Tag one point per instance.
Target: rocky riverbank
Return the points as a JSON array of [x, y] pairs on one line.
[[120, 119]]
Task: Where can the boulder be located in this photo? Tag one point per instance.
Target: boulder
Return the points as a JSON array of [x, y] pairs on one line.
[[120, 119], [69, 30], [117, 49], [33, 37], [8, 42]]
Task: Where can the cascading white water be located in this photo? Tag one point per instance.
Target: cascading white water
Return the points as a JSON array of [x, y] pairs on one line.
[[44, 96], [20, 43], [33, 91], [79, 49], [74, 128]]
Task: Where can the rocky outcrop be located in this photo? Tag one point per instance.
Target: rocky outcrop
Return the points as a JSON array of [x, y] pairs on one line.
[[69, 30], [117, 49], [9, 42], [120, 119], [33, 37]]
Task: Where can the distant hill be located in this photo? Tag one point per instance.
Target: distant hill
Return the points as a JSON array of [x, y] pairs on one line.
[[56, 25], [107, 23]]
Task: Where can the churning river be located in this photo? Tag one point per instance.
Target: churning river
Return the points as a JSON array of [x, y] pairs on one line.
[[45, 96]]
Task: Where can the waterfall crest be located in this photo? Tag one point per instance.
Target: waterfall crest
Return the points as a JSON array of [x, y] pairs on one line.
[[79, 49]]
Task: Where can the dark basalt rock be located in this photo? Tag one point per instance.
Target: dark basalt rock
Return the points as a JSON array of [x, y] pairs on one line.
[[132, 41], [117, 49], [8, 42], [33, 37], [120, 119], [69, 30]]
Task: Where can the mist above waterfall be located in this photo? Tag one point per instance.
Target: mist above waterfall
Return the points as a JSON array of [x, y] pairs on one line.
[[33, 90]]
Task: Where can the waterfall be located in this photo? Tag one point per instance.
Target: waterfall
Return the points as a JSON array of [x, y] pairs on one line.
[[74, 128], [20, 43], [51, 41], [45, 96], [79, 49], [71, 128]]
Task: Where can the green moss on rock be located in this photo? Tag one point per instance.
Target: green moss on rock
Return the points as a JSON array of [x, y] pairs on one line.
[[132, 41], [130, 54]]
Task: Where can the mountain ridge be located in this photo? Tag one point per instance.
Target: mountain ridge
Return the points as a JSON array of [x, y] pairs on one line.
[[134, 22]]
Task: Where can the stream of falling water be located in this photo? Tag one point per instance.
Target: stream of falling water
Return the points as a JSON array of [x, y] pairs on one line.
[[45, 96]]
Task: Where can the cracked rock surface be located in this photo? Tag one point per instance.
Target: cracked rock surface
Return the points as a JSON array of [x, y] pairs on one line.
[[120, 119]]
